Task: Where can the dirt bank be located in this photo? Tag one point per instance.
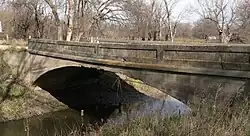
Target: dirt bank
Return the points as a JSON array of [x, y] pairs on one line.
[[23, 104], [17, 99]]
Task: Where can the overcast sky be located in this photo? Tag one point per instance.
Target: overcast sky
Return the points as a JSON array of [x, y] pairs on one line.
[[183, 4]]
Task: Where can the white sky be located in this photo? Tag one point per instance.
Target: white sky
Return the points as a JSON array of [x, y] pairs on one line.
[[183, 4]]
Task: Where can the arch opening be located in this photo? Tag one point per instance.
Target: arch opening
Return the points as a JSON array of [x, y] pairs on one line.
[[99, 93]]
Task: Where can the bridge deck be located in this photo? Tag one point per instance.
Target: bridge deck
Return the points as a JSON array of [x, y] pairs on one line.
[[206, 59]]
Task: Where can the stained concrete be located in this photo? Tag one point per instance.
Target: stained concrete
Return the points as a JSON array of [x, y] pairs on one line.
[[182, 71]]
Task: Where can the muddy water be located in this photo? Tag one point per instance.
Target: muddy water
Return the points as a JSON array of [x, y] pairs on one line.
[[47, 125], [64, 122]]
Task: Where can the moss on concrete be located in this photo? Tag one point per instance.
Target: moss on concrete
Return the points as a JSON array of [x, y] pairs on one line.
[[143, 87]]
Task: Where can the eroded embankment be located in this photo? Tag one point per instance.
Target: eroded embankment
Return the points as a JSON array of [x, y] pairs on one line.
[[18, 99]]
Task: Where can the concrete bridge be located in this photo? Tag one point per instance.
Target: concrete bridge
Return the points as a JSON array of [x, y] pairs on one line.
[[180, 70]]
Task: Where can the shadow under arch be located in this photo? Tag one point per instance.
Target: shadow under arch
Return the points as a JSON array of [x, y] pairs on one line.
[[99, 93]]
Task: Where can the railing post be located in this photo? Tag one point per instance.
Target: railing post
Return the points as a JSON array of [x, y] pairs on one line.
[[95, 41], [97, 49], [91, 39], [159, 55], [7, 37]]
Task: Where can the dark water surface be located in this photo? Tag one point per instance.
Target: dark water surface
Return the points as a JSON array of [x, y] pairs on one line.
[[61, 122], [64, 122]]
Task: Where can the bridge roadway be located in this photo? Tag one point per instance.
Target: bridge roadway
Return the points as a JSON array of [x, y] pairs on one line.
[[181, 70]]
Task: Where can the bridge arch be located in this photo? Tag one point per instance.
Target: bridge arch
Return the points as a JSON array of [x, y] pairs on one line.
[[71, 84], [93, 90]]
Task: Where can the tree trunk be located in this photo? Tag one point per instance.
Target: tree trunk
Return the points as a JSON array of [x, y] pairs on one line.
[[78, 36], [171, 32], [58, 22], [59, 31], [70, 19], [224, 37], [166, 37], [154, 35], [38, 34]]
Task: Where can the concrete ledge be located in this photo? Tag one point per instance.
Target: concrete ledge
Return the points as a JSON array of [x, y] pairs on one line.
[[144, 66], [204, 47]]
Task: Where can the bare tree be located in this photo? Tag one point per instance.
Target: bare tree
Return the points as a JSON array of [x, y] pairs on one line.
[[184, 30], [145, 18], [22, 18], [82, 19], [170, 5], [57, 19], [222, 13], [203, 28], [90, 15], [157, 19], [172, 22], [243, 20], [102, 11], [137, 16], [70, 7]]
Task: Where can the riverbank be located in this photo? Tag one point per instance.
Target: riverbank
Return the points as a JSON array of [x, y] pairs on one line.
[[25, 103], [206, 120], [227, 121], [17, 99]]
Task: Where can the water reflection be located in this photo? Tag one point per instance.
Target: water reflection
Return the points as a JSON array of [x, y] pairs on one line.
[[65, 122], [47, 125]]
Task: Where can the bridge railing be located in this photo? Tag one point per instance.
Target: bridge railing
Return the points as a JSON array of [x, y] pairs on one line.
[[211, 56]]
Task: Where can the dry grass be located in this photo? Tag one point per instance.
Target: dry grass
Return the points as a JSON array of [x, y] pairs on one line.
[[20, 101], [205, 121], [14, 42], [208, 119], [188, 40], [224, 117]]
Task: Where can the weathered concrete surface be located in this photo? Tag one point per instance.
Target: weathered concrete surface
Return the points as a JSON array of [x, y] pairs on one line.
[[17, 59], [221, 60], [182, 71]]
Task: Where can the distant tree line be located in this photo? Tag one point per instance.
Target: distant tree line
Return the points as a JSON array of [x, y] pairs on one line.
[[228, 20]]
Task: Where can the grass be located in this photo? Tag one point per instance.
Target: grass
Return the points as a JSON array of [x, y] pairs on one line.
[[18, 100], [15, 92], [14, 42], [189, 40], [12, 101], [204, 121], [222, 117], [208, 119]]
